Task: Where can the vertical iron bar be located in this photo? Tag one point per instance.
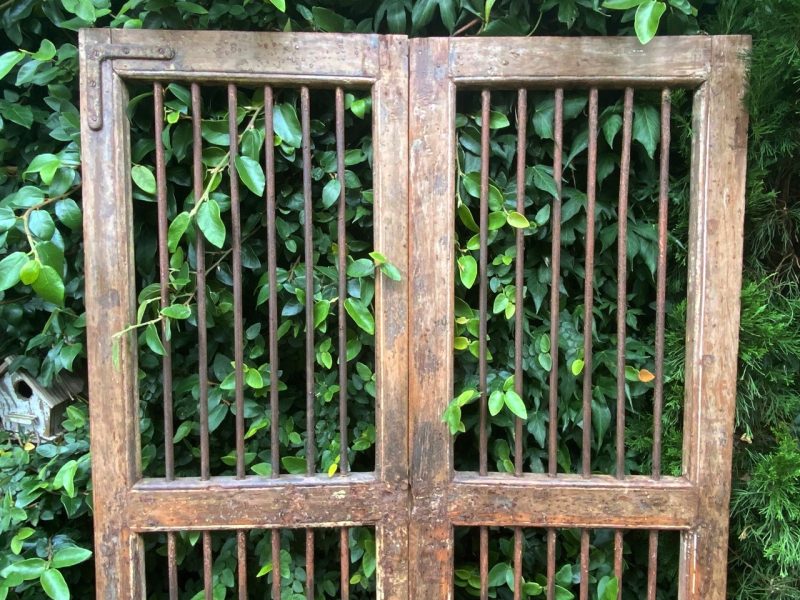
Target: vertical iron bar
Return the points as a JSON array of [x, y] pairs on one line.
[[208, 578], [269, 169], [309, 563], [163, 268], [276, 563], [618, 561], [483, 291], [200, 258], [341, 241], [241, 559], [551, 564], [519, 282], [584, 590], [344, 562], [555, 261], [309, 265], [238, 333], [652, 565], [661, 280], [172, 566], [482, 308], [588, 286], [622, 277]]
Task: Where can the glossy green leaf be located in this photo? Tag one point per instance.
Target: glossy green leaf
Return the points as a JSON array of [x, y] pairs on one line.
[[9, 60], [210, 223], [648, 16], [69, 213], [467, 270], [176, 230], [647, 128], [518, 220], [177, 311], [391, 271], [360, 314], [49, 285], [251, 174], [41, 224], [29, 272], [143, 178], [54, 585], [515, 404], [286, 125], [496, 402], [153, 340], [621, 4], [363, 267]]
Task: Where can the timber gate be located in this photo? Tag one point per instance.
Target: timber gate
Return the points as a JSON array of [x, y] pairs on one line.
[[414, 498]]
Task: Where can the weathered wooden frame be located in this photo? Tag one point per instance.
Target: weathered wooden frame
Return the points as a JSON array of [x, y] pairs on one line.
[[414, 497]]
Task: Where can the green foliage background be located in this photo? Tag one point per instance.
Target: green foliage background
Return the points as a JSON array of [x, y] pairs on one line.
[[46, 510]]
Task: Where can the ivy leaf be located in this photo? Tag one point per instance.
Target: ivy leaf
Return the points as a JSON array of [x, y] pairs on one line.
[[210, 223], [515, 404], [321, 311], [360, 314], [46, 166], [330, 193], [176, 230], [251, 174], [286, 125], [143, 178], [647, 128], [70, 556], [153, 340], [467, 270], [54, 585], [607, 588], [517, 220], [41, 224], [49, 285], [648, 16], [69, 213], [363, 267], [8, 61], [543, 179], [294, 465], [177, 311], [611, 127]]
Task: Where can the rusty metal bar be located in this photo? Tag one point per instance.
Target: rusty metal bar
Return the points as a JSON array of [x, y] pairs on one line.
[[309, 563], [344, 562], [208, 577], [276, 563], [588, 287], [200, 259], [661, 280], [163, 272], [555, 262], [622, 276], [308, 233], [241, 561], [341, 241], [236, 229], [483, 289], [484, 559], [652, 565], [519, 283], [272, 308], [172, 566], [584, 589], [618, 560], [551, 564]]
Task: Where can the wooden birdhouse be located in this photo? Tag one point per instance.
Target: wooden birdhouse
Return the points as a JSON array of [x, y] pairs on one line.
[[27, 407]]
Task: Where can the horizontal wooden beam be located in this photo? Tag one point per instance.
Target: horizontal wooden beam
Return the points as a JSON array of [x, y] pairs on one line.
[[227, 56], [287, 501], [534, 500], [606, 61]]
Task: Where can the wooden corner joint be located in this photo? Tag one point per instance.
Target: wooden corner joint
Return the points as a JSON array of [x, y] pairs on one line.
[[96, 54]]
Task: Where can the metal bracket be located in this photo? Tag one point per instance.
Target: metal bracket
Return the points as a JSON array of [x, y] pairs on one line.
[[102, 52]]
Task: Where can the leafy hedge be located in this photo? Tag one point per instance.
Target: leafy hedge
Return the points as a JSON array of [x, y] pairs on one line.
[[45, 524]]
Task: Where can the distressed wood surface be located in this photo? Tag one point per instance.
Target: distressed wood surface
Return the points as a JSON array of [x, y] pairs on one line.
[[432, 220], [715, 259], [535, 500], [110, 308], [602, 61]]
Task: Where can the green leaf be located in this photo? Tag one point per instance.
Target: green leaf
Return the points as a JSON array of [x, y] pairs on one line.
[[360, 314], [631, 373], [177, 311], [49, 285], [286, 125], [517, 220], [41, 224], [143, 178], [498, 120], [46, 51], [321, 311], [621, 4], [30, 272], [28, 569], [7, 219], [65, 478], [515, 404], [648, 16], [330, 193], [54, 585], [295, 465], [279, 4], [8, 61], [607, 588], [543, 179], [251, 174], [496, 402], [176, 230], [210, 223], [69, 213], [564, 576], [363, 267], [563, 594], [153, 340], [684, 6], [391, 271], [467, 270], [577, 366], [69, 556], [184, 429], [611, 127], [647, 128], [254, 379]]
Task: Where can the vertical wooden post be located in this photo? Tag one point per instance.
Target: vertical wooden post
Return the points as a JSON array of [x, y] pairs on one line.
[[110, 308], [432, 214], [716, 221], [390, 141]]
